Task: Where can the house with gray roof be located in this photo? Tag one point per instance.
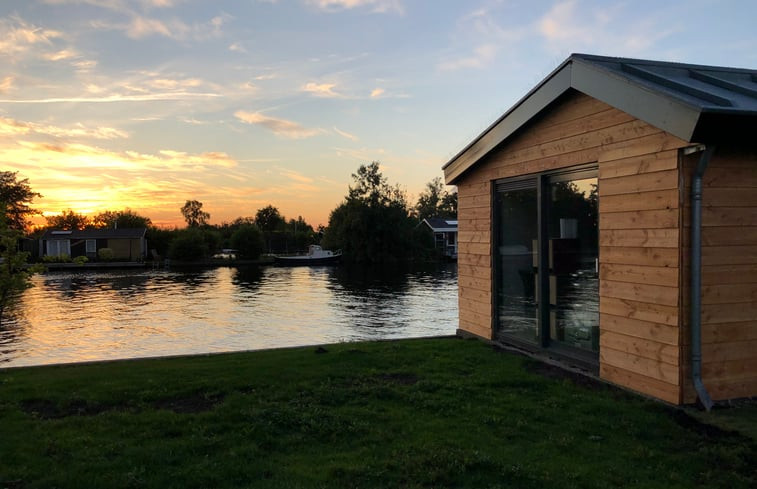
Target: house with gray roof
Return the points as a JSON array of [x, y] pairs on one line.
[[445, 235]]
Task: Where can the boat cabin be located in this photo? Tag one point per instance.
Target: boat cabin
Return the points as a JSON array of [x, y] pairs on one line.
[[609, 220]]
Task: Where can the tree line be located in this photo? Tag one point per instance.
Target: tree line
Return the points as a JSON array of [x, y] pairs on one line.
[[374, 224]]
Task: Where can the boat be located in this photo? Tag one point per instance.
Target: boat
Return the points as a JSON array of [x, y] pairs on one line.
[[315, 256]]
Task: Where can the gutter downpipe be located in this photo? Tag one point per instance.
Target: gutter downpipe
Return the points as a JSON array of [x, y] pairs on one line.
[[696, 276]]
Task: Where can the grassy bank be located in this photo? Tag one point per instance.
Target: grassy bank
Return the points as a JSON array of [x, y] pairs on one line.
[[416, 413]]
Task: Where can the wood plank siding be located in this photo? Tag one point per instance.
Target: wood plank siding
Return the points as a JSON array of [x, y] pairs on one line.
[[729, 274], [640, 257]]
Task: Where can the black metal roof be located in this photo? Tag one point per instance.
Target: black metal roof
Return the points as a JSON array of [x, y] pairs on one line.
[[124, 233], [696, 103]]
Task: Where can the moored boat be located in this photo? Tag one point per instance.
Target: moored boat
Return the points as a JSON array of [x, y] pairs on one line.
[[315, 256]]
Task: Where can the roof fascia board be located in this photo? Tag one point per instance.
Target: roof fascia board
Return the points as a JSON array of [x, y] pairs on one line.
[[664, 112], [530, 105]]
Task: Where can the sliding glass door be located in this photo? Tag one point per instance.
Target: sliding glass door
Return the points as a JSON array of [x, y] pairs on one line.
[[574, 261], [548, 222], [515, 255]]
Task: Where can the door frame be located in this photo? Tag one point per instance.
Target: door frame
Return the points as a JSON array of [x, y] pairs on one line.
[[541, 181]]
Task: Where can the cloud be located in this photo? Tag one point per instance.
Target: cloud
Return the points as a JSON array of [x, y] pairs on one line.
[[484, 37], [84, 65], [347, 135], [18, 36], [60, 55], [321, 89], [173, 84], [14, 127], [237, 48], [566, 28], [280, 127], [141, 27], [6, 84], [11, 127], [115, 98], [296, 176], [77, 156], [377, 6], [562, 24], [84, 177], [118, 5], [158, 3], [482, 57], [377, 92]]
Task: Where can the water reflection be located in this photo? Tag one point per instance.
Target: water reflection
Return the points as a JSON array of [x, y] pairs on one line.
[[122, 314]]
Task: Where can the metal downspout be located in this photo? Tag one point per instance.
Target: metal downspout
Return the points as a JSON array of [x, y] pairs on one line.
[[696, 278]]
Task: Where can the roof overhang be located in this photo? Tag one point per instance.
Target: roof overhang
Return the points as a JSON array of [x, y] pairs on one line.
[[655, 92]]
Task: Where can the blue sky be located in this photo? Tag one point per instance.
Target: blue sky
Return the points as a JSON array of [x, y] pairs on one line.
[[106, 104]]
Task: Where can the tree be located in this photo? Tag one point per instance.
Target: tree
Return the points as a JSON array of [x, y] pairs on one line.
[[248, 241], [188, 245], [68, 220], [269, 219], [15, 197], [14, 274], [373, 224], [124, 219], [193, 244], [193, 214], [435, 201], [371, 188]]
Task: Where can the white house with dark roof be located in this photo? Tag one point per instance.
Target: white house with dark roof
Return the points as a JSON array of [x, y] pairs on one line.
[[445, 235]]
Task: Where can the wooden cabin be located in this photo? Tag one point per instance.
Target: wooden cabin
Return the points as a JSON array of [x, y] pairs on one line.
[[609, 220]]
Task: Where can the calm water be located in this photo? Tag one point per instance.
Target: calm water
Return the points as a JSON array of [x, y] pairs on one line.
[[82, 316]]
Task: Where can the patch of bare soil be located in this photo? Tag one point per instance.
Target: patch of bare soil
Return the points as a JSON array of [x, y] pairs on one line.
[[560, 373]]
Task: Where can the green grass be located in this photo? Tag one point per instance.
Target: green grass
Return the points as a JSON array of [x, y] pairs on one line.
[[415, 413]]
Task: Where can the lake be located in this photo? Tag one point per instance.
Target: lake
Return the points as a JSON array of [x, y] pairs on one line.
[[103, 315]]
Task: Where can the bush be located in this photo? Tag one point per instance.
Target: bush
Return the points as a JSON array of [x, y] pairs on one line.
[[80, 260], [160, 239], [62, 258], [189, 245], [105, 254], [248, 241]]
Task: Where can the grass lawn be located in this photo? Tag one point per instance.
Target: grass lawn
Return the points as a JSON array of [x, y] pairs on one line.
[[415, 413]]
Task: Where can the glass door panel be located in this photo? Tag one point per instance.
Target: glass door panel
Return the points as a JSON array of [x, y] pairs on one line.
[[573, 248], [515, 263]]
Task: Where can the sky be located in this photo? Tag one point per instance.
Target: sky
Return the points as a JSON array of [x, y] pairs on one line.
[[240, 104]]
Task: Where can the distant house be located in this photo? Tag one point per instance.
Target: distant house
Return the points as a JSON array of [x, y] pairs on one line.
[[609, 219], [445, 235], [127, 244]]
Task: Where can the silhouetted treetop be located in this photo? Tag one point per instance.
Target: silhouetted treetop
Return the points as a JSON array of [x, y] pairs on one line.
[[193, 214], [15, 197]]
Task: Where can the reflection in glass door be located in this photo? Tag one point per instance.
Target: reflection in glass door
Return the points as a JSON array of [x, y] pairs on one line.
[[514, 256], [573, 262], [550, 223]]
